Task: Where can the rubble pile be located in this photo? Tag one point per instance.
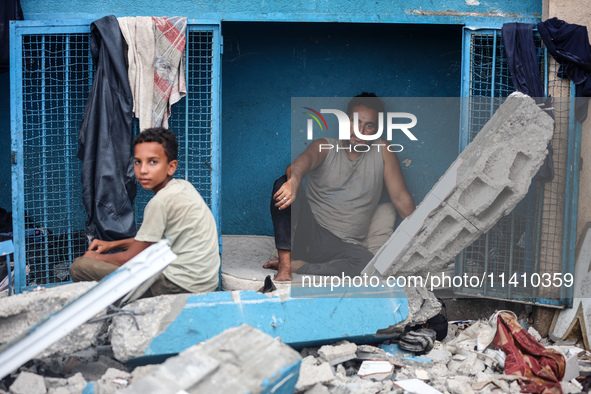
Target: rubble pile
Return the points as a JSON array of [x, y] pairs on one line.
[[464, 362]]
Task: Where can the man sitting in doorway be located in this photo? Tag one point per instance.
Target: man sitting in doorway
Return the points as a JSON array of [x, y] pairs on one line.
[[176, 211], [330, 219]]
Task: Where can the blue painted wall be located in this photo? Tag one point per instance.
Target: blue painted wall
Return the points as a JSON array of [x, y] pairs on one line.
[[380, 11], [266, 64], [5, 187]]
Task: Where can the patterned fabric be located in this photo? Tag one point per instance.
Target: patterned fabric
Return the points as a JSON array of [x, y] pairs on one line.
[[542, 368], [139, 36], [169, 66]]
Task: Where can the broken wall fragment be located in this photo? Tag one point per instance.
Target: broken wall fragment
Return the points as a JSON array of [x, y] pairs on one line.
[[486, 181]]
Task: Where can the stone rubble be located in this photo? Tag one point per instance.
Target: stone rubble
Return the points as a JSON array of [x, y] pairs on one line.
[[464, 362]]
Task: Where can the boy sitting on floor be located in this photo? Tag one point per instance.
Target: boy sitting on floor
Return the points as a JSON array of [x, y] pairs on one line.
[[176, 211]]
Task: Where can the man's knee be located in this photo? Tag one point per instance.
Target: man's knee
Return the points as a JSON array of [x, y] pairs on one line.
[[76, 270], [87, 269], [278, 183]]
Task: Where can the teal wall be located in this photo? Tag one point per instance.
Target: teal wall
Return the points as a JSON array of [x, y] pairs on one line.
[[266, 64], [5, 189], [362, 11]]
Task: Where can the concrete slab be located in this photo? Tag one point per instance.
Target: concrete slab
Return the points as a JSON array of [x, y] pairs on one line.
[[299, 322], [239, 360], [567, 320], [487, 180], [124, 280]]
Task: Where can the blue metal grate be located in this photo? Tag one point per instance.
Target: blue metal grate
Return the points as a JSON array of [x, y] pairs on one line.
[[191, 120], [53, 76], [56, 77], [530, 240]]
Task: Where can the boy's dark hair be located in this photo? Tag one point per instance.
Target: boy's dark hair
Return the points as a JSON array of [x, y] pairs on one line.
[[162, 136], [369, 100]]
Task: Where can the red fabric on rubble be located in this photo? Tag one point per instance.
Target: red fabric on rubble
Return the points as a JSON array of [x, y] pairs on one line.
[[542, 368]]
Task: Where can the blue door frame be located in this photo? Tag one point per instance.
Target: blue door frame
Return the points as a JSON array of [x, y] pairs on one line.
[[200, 146]]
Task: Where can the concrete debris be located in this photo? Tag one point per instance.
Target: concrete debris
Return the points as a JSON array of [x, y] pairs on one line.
[[422, 305], [578, 318], [245, 359], [318, 389], [487, 180], [94, 370], [459, 385], [132, 333], [112, 381], [336, 354], [21, 312], [28, 383], [313, 372], [376, 370], [239, 360], [416, 386], [72, 385]]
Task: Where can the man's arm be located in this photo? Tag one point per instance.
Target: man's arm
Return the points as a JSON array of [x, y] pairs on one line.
[[133, 249], [308, 160], [394, 182], [101, 246]]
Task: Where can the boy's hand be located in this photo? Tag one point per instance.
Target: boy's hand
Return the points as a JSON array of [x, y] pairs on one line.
[[100, 246]]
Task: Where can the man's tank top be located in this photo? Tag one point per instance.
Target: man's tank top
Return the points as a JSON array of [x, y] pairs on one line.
[[343, 193]]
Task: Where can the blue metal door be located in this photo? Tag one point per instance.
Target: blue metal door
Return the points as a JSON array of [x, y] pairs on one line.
[[538, 237], [51, 75]]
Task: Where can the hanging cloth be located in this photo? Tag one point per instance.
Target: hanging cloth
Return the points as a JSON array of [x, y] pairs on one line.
[[139, 36], [108, 181], [569, 44], [10, 10], [169, 66]]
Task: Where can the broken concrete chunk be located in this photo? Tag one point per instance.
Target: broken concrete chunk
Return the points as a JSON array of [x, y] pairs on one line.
[[376, 370], [28, 383], [422, 305], [336, 354], [21, 312], [416, 386], [147, 318], [239, 360], [112, 381], [487, 180], [318, 389], [439, 356], [312, 373], [457, 385], [74, 384]]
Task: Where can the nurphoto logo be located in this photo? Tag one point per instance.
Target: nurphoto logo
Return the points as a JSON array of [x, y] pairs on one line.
[[344, 128]]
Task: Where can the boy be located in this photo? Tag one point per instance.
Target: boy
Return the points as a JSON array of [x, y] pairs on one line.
[[176, 211]]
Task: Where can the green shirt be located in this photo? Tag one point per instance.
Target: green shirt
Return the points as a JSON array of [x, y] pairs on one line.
[[179, 213]]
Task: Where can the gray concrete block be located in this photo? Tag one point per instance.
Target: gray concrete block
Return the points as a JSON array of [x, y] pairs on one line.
[[152, 316], [487, 180], [313, 372], [336, 354], [112, 381], [28, 383], [22, 311], [239, 360]]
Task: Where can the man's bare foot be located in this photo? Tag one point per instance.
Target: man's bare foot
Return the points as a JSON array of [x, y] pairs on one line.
[[271, 264], [282, 276]]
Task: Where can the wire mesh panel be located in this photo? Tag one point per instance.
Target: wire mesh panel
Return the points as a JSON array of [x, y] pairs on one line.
[[56, 77], [192, 120], [527, 243], [52, 72]]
